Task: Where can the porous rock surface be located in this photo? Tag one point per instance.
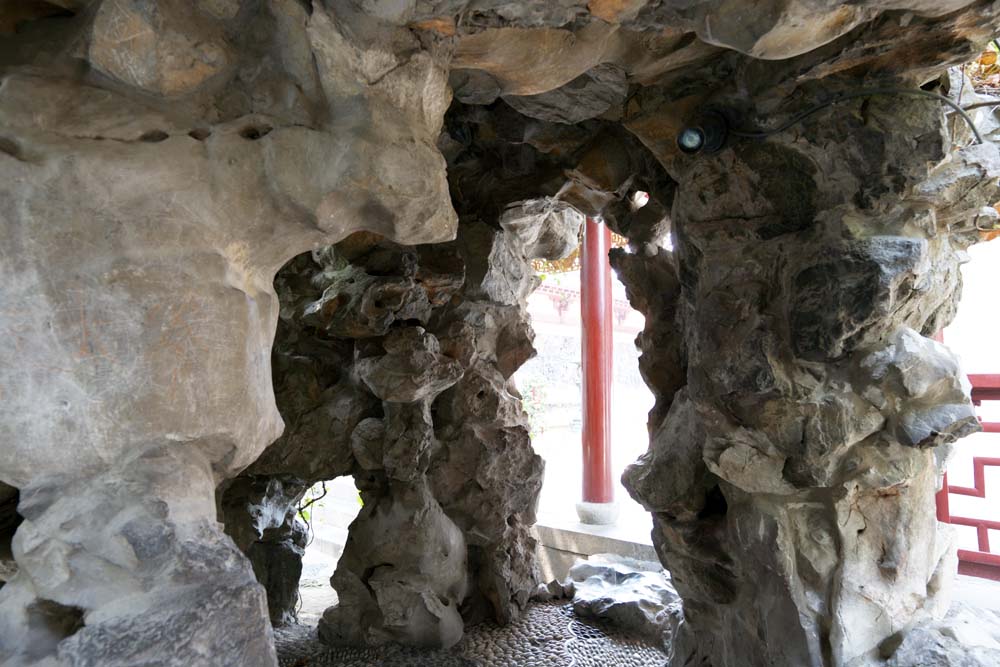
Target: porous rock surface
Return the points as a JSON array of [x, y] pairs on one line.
[[633, 595], [792, 469], [160, 162], [393, 364], [968, 636]]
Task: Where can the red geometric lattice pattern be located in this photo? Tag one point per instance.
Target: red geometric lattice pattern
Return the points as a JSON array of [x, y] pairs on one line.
[[984, 562]]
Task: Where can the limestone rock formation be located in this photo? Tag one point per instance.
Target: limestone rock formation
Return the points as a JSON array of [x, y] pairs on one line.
[[171, 163], [629, 594], [450, 460], [161, 161], [259, 513], [968, 636], [407, 588], [393, 364], [791, 480]]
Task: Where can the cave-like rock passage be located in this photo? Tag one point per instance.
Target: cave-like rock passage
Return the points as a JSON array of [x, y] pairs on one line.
[[161, 162]]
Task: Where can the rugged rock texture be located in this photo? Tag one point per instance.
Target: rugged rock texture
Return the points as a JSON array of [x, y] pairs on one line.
[[448, 467], [260, 515], [791, 480], [486, 475], [160, 161], [135, 569], [969, 636], [157, 167], [407, 588], [393, 364], [633, 595]]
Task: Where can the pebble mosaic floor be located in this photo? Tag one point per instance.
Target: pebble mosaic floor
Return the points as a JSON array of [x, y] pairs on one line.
[[547, 635]]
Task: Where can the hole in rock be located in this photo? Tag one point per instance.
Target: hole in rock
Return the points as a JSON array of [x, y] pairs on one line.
[[715, 504], [50, 622], [255, 132], [200, 133], [639, 199], [327, 518], [10, 147], [972, 336], [551, 385], [154, 136], [9, 521]]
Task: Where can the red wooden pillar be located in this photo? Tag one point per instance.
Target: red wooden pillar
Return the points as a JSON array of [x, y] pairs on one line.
[[595, 309]]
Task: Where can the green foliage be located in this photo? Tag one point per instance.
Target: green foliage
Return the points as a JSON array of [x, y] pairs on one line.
[[533, 402], [312, 497]]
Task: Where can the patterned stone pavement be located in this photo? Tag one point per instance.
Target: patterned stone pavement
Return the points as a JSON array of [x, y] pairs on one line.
[[548, 635]]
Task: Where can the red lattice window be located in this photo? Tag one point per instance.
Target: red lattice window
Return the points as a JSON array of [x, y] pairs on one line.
[[982, 560]]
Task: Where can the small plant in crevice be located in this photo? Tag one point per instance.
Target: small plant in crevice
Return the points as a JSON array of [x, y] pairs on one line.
[[312, 496], [533, 402]]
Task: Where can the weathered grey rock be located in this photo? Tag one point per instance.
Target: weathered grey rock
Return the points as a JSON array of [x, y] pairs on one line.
[[554, 236], [587, 96], [486, 474], [495, 266], [260, 515], [791, 480], [412, 584], [130, 566], [157, 47], [277, 564], [472, 86], [412, 370], [920, 384], [633, 595], [202, 160], [554, 590], [160, 162], [966, 637], [411, 461]]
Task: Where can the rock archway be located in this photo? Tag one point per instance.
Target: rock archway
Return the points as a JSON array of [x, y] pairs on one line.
[[393, 364], [160, 163]]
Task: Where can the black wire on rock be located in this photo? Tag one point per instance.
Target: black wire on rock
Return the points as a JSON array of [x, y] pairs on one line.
[[866, 92]]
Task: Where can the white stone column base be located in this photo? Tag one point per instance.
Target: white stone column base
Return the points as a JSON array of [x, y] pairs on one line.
[[597, 514]]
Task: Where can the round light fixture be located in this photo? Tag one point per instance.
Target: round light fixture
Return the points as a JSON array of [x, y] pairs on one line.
[[708, 135], [691, 140]]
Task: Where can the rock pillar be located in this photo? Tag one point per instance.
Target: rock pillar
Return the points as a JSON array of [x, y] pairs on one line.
[[792, 477]]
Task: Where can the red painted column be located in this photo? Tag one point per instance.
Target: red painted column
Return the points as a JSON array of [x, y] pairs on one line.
[[595, 310]]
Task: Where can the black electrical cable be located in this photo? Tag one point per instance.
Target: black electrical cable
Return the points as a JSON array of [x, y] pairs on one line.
[[866, 92], [979, 105]]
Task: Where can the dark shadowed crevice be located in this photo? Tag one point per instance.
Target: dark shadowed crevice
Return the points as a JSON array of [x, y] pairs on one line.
[[9, 521], [49, 623]]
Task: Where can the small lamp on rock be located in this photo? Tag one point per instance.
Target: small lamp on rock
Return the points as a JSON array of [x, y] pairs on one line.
[[708, 135]]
